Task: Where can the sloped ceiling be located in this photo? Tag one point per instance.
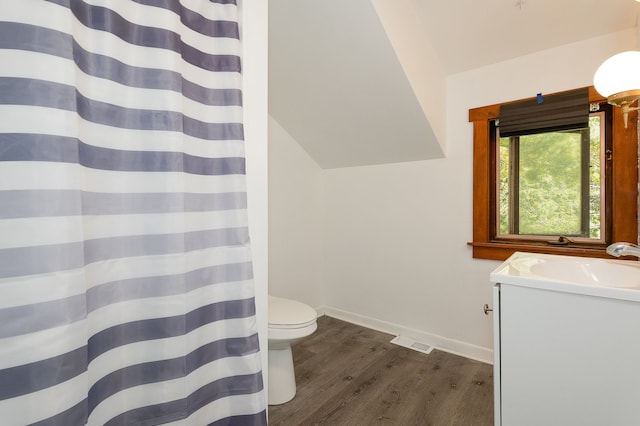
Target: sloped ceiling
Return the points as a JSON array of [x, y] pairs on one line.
[[340, 73], [337, 86]]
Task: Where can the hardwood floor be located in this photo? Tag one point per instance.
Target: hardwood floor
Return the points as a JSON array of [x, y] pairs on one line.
[[351, 375]]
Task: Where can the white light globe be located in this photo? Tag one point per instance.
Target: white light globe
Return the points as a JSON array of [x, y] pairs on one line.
[[619, 73]]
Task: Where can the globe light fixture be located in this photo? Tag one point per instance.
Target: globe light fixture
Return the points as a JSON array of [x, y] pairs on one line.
[[618, 80]]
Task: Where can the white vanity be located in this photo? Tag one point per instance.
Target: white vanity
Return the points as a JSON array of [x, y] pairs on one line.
[[567, 341]]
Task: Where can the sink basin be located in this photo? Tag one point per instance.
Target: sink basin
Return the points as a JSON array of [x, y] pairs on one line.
[[567, 273], [608, 273]]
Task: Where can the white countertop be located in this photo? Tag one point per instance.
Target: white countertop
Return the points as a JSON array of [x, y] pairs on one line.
[[615, 279]]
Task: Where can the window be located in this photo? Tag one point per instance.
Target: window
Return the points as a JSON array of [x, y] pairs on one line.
[[551, 183], [569, 189]]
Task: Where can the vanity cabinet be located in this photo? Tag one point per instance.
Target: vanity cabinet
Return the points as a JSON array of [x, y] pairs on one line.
[[564, 355]]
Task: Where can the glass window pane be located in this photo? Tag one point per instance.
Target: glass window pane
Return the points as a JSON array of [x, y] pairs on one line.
[[503, 182], [550, 184], [596, 177]]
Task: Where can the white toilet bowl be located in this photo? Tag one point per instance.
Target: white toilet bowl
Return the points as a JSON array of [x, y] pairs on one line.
[[289, 321]]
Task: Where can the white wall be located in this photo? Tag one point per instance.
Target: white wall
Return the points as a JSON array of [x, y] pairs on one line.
[[395, 235], [254, 41], [396, 250], [295, 225]]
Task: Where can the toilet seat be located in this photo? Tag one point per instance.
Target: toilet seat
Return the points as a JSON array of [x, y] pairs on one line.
[[291, 326], [290, 314]]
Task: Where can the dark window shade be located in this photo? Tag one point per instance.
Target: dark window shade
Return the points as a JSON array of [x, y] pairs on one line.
[[568, 110]]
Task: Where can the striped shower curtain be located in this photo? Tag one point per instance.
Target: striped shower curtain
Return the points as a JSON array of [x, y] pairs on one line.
[[126, 291]]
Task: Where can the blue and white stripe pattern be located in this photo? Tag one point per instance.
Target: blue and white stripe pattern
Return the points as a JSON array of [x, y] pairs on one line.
[[126, 289]]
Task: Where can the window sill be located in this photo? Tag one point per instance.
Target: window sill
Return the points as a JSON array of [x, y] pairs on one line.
[[502, 250]]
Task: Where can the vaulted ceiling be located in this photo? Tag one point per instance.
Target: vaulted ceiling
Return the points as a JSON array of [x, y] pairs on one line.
[[362, 82]]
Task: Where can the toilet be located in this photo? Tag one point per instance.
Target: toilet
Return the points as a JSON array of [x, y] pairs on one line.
[[289, 322]]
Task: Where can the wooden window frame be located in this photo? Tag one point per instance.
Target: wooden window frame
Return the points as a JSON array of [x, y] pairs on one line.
[[623, 183]]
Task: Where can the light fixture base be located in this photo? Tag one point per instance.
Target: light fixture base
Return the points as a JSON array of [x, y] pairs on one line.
[[623, 100]]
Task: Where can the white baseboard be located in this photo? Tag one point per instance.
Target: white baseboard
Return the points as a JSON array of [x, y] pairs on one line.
[[453, 346]]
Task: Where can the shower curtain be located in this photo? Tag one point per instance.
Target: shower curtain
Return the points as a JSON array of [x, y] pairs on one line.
[[126, 291]]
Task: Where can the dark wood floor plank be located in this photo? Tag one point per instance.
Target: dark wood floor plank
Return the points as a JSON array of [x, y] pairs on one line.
[[351, 375], [326, 364], [381, 394]]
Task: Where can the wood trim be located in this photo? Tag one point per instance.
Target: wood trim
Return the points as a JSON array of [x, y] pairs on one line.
[[625, 178], [501, 251], [624, 189], [481, 181]]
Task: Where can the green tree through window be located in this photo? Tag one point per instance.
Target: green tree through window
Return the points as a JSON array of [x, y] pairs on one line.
[[550, 183]]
